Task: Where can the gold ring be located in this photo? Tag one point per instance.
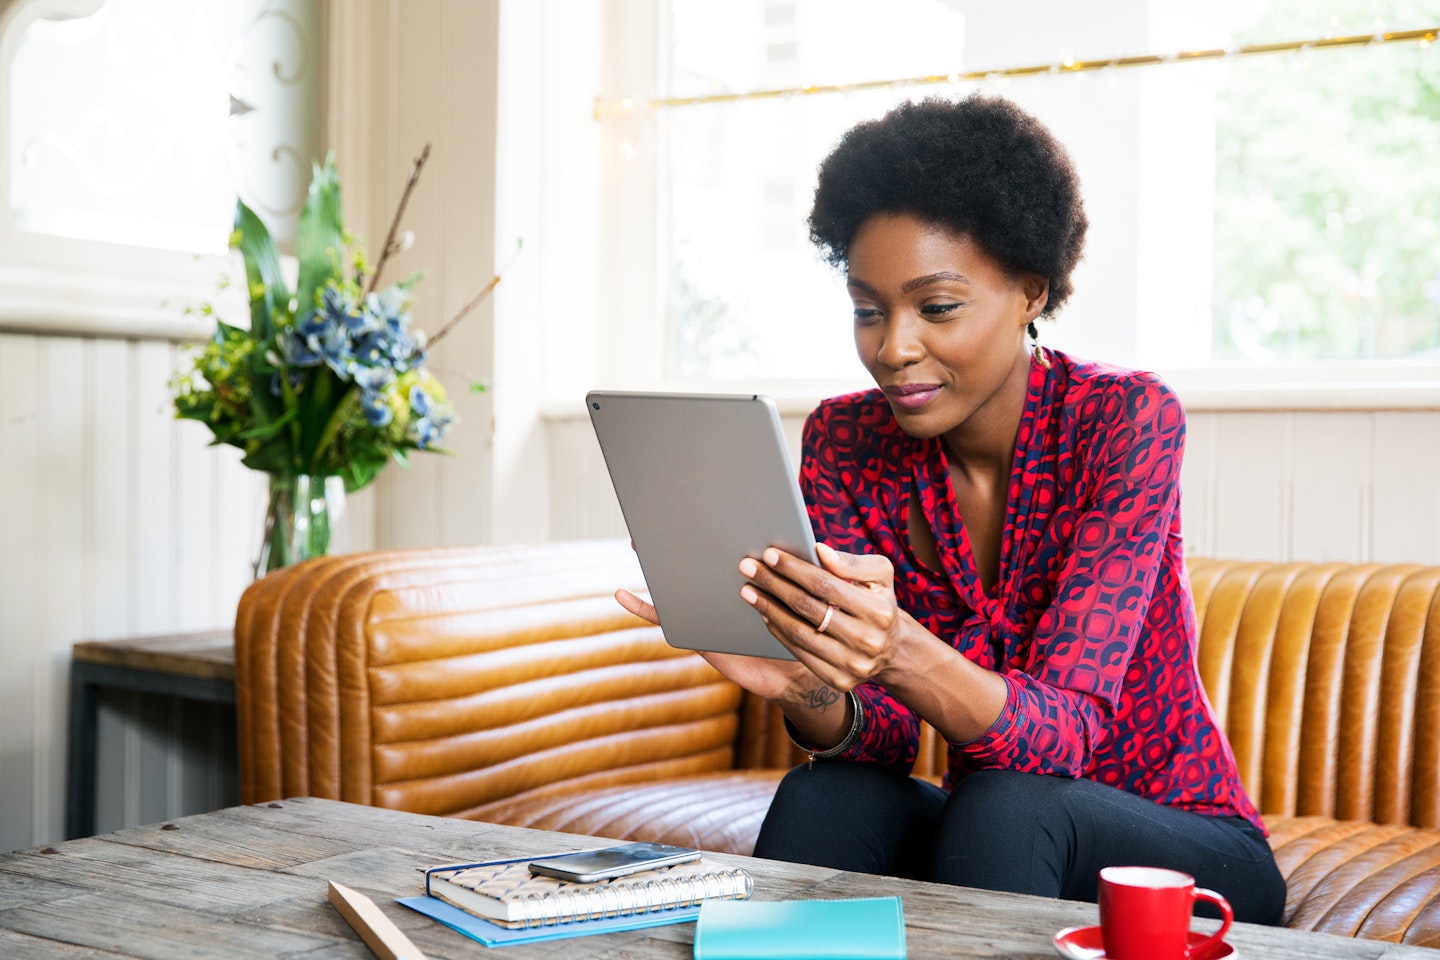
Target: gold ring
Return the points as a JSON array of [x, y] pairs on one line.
[[825, 621]]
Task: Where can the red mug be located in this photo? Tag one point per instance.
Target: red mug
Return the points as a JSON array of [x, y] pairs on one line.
[[1145, 914]]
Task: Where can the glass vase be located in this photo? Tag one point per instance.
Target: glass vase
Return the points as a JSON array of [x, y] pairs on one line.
[[301, 520]]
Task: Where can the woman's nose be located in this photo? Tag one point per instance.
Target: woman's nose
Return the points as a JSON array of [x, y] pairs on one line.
[[902, 345]]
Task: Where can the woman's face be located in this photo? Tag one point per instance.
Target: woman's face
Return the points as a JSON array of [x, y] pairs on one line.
[[940, 325]]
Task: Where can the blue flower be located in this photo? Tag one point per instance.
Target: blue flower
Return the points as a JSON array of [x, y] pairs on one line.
[[297, 349], [340, 310], [429, 428], [403, 350], [333, 345], [372, 347], [377, 411], [388, 306], [296, 378], [373, 379]]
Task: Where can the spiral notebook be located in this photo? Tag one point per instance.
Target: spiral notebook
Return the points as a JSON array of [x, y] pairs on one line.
[[505, 893]]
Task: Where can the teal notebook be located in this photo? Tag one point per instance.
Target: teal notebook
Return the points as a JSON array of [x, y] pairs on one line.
[[868, 929]]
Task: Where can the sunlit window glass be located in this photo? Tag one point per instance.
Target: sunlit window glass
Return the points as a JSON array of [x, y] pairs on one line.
[[1253, 211], [138, 121]]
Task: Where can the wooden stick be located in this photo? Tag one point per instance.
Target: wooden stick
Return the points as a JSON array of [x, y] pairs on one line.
[[389, 247], [479, 297], [376, 929]]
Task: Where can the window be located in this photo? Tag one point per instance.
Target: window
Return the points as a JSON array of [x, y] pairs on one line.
[[1246, 213], [1327, 204], [129, 128]]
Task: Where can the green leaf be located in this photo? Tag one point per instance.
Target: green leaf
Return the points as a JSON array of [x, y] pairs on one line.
[[361, 471], [267, 430], [321, 235], [266, 408], [229, 333], [348, 402], [269, 458], [269, 297]]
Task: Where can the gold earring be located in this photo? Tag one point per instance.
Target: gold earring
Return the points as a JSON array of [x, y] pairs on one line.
[[1037, 351]]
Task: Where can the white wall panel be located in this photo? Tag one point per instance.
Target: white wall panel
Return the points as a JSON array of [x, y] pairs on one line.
[[21, 619], [154, 554], [117, 520], [1252, 485], [1332, 466], [60, 552], [1197, 484], [583, 503], [107, 502], [1406, 481]]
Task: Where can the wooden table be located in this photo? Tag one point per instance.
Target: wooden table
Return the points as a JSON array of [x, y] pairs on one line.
[[198, 666], [250, 882]]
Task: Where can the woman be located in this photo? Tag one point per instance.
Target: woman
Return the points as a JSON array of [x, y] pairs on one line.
[[1001, 553]]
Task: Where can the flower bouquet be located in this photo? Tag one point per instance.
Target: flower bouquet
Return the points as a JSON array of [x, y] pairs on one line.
[[327, 381]]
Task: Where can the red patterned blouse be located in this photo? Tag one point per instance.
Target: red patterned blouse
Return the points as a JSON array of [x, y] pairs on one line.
[[1091, 623]]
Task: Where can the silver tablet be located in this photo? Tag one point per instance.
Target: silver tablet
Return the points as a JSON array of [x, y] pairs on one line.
[[703, 481]]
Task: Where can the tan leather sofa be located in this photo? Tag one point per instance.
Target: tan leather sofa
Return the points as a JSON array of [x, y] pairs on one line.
[[505, 684]]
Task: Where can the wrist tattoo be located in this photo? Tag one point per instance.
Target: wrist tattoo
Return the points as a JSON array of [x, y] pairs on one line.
[[821, 698]]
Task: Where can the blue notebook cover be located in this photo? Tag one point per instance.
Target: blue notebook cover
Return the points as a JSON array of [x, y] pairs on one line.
[[494, 935], [867, 929]]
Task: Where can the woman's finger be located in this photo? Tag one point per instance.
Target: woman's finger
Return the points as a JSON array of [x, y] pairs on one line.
[[841, 577], [826, 655], [637, 605], [801, 601], [860, 568]]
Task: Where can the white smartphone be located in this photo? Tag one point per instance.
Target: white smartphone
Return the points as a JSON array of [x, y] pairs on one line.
[[588, 866]]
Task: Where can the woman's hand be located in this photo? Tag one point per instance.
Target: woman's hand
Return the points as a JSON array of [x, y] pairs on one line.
[[851, 596]]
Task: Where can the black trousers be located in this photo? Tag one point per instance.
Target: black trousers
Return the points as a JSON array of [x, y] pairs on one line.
[[1017, 832]]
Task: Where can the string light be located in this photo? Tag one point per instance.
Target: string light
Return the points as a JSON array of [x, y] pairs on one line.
[[1425, 37]]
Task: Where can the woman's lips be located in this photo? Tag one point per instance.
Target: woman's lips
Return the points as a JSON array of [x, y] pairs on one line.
[[912, 396]]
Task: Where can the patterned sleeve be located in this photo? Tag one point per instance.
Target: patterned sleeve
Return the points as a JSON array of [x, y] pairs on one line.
[[890, 734], [1063, 695]]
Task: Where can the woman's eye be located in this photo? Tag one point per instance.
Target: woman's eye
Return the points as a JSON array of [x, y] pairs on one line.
[[940, 309], [865, 314]]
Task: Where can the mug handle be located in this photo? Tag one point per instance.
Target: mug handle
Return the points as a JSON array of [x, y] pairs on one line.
[[1227, 917]]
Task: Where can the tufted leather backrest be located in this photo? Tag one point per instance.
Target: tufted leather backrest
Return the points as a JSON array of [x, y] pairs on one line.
[[439, 680], [1326, 679]]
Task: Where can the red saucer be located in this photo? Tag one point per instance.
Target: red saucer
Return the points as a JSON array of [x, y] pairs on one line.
[[1084, 943]]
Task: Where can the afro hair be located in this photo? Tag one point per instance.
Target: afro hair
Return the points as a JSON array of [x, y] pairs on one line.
[[980, 167]]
